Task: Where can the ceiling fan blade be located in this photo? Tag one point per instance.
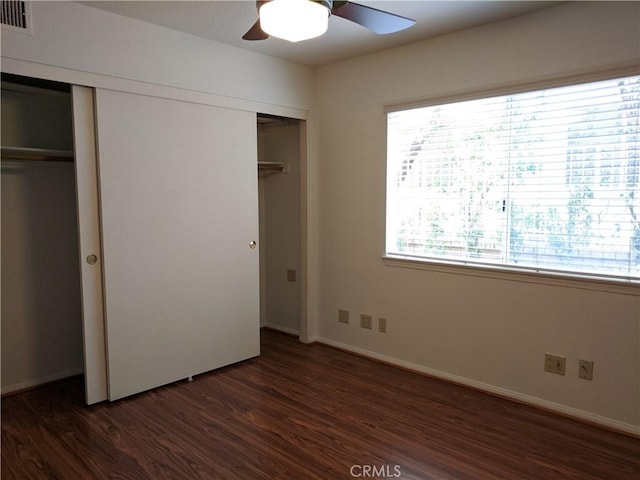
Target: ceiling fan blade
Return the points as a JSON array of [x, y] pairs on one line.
[[256, 32], [378, 21]]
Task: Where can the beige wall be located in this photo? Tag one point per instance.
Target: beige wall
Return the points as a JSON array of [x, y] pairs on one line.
[[280, 226], [77, 43], [490, 332]]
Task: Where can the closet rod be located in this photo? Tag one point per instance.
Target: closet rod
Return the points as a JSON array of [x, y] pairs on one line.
[[266, 169], [36, 154]]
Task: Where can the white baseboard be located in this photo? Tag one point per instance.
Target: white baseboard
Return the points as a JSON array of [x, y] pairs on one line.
[[315, 339], [34, 382], [280, 328], [503, 392]]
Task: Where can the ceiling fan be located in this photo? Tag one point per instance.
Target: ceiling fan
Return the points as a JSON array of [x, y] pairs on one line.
[[296, 20]]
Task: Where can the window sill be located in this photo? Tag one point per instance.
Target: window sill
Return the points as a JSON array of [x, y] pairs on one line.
[[584, 282]]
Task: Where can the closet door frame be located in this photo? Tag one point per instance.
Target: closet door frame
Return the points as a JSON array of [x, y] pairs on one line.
[[88, 79], [89, 241]]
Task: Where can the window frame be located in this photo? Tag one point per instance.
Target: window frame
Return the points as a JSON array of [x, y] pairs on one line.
[[528, 274]]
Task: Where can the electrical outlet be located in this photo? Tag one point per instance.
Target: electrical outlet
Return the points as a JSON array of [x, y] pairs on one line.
[[291, 275], [343, 316], [382, 325], [585, 369], [366, 321], [554, 363]]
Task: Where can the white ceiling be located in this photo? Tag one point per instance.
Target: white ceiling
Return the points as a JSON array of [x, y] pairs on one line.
[[227, 21]]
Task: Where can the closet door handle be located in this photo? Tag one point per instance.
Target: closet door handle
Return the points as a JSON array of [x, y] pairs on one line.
[[252, 244], [92, 259]]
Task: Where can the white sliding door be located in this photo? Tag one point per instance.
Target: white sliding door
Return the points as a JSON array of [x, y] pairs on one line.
[[95, 370], [178, 194]]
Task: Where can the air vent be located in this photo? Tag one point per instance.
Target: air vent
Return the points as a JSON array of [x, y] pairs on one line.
[[16, 15]]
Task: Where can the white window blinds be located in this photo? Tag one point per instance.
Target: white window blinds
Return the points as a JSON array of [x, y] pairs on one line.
[[544, 180]]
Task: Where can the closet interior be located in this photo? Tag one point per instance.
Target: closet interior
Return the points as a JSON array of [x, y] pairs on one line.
[[41, 301], [279, 196]]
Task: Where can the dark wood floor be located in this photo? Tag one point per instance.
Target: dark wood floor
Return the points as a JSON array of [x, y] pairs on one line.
[[302, 412]]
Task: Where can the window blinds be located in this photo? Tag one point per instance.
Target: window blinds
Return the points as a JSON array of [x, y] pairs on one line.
[[547, 179]]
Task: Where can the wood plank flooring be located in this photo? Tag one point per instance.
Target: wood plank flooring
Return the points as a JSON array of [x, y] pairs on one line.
[[303, 412]]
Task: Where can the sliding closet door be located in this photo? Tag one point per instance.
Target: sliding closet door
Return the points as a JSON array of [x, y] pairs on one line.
[[178, 189], [95, 370]]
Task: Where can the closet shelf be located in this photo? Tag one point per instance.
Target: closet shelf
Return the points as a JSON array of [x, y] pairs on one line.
[[36, 154], [266, 169]]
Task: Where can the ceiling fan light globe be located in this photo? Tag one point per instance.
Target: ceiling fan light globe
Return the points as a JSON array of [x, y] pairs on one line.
[[294, 20]]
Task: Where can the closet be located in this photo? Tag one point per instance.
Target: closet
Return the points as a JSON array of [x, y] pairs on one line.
[[153, 272], [41, 300], [279, 166]]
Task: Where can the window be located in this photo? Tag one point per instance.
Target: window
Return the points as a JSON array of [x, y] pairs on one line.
[[545, 180]]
